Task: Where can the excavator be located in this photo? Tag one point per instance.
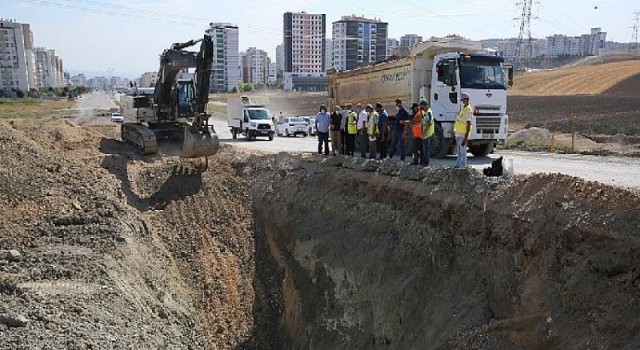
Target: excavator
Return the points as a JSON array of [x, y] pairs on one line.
[[177, 109]]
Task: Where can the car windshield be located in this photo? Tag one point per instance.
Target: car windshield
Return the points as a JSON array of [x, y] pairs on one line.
[[258, 114], [481, 75], [296, 120]]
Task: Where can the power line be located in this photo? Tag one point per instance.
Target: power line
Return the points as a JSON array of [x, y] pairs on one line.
[[525, 30], [634, 35]]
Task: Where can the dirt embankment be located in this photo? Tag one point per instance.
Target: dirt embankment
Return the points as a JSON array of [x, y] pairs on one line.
[[116, 250], [120, 251], [444, 259]]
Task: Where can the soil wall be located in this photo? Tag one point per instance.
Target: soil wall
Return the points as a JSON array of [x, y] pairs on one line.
[[374, 256]]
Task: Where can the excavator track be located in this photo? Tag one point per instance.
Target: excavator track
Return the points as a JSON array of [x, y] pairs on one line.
[[140, 136]]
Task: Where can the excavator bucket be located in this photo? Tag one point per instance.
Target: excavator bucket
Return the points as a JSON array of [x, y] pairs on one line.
[[199, 144]]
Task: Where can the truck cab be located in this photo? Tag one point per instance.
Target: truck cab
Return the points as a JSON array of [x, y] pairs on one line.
[[482, 77], [250, 117]]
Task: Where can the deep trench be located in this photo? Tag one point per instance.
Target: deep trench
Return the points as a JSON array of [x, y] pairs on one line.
[[364, 255]]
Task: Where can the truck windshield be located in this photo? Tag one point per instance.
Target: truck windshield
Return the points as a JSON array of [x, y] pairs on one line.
[[481, 75], [258, 114]]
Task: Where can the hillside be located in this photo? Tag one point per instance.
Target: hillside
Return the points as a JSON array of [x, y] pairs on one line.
[[579, 80]]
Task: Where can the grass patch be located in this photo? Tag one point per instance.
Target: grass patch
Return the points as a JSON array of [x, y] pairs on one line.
[[35, 108], [218, 111]]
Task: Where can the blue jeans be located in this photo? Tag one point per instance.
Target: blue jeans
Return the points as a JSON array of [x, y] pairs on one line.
[[397, 141], [461, 151], [426, 151]]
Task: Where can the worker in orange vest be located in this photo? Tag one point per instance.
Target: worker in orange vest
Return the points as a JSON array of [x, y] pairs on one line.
[[416, 132]]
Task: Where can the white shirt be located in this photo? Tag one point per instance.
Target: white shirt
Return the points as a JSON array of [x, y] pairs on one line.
[[362, 119]]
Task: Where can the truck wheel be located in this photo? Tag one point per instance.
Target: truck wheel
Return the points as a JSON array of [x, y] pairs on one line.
[[247, 135], [286, 133], [234, 133], [439, 144], [481, 150]]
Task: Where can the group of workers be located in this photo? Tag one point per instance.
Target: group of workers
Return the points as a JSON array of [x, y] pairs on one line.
[[370, 126]]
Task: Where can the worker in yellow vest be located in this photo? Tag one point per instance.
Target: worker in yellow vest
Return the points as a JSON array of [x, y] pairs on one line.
[[428, 129], [352, 131], [462, 128]]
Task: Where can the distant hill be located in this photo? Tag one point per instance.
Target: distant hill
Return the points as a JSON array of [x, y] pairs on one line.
[[589, 78]]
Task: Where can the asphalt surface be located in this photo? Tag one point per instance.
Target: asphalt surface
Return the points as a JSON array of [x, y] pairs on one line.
[[617, 171]]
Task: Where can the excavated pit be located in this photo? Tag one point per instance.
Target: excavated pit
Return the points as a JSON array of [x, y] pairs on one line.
[[304, 252], [376, 256]]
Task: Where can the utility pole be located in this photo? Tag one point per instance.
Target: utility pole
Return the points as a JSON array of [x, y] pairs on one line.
[[634, 35], [525, 32]]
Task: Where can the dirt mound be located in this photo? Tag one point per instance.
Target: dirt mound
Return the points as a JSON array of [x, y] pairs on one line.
[[439, 258], [539, 135], [92, 270]]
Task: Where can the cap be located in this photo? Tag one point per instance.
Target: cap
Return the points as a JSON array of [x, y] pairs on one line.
[[369, 106], [463, 96], [424, 103]]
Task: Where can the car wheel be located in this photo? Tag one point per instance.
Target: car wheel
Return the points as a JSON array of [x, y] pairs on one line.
[[271, 137], [286, 133], [304, 135]]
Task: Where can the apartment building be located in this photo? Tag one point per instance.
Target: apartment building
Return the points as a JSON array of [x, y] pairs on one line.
[[49, 70], [392, 47], [255, 66], [17, 63], [408, 40], [304, 42], [304, 51], [225, 74], [279, 61], [357, 41], [148, 79]]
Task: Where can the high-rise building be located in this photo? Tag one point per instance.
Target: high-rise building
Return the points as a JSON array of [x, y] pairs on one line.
[[279, 61], [328, 53], [304, 42], [255, 66], [357, 41], [48, 68], [273, 73], [17, 63], [408, 40], [304, 51], [392, 47], [225, 73], [79, 80]]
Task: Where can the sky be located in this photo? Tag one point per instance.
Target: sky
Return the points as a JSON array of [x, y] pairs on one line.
[[126, 37]]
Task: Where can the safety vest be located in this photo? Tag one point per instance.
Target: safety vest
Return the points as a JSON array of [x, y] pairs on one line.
[[416, 127], [352, 127], [428, 131], [460, 127], [372, 124]]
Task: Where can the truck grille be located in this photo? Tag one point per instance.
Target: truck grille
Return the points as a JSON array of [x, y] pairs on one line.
[[487, 125], [264, 126]]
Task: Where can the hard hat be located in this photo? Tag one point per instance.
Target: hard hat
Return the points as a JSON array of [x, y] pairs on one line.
[[463, 96]]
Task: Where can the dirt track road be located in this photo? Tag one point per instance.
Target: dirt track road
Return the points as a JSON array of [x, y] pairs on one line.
[[618, 171]]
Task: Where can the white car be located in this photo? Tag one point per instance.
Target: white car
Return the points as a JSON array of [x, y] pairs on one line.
[[312, 124], [293, 126], [117, 118]]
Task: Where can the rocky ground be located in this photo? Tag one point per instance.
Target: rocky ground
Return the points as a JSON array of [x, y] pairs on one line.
[[103, 248]]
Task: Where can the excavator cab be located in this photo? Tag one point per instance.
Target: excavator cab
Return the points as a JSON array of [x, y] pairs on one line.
[[185, 95]]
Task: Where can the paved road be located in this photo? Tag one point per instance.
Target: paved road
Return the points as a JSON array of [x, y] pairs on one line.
[[618, 171]]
